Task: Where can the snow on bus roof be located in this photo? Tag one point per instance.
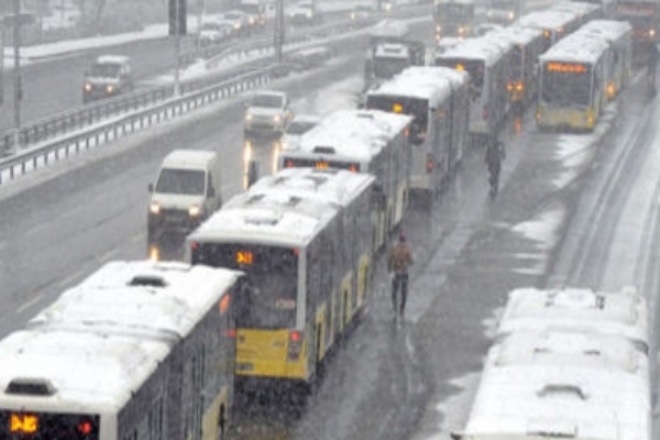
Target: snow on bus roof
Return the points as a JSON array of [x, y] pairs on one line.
[[102, 339], [159, 300], [576, 7], [434, 84], [390, 28], [560, 347], [576, 47], [546, 19], [330, 185], [623, 313], [90, 372], [488, 49], [275, 218], [568, 401], [608, 29], [352, 134], [519, 34]]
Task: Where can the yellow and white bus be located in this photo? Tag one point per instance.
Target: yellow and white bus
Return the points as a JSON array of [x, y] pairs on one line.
[[139, 350], [367, 141], [573, 83], [439, 100], [304, 239]]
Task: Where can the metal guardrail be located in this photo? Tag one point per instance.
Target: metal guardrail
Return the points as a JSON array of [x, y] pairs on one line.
[[121, 126], [104, 122], [75, 119]]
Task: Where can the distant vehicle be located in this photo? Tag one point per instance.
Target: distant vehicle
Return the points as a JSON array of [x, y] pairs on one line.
[[483, 28], [453, 18], [300, 125], [304, 13], [504, 12], [213, 32], [305, 59], [109, 75], [257, 11], [362, 13], [187, 191], [268, 112], [239, 19]]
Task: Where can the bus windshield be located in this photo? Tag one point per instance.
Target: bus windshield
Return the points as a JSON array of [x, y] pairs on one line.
[[451, 12], [416, 107], [560, 88], [271, 303], [183, 182]]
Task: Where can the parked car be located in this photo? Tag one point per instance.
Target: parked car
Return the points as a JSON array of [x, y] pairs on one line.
[[109, 75]]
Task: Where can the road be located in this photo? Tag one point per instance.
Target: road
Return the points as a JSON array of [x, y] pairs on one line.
[[573, 209]]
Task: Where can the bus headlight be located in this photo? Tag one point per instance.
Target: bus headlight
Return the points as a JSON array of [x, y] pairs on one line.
[[154, 253], [277, 119], [512, 15], [248, 116], [154, 208], [88, 87], [110, 89], [194, 211], [651, 33]]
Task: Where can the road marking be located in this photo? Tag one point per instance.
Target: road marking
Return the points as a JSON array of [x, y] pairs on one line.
[[29, 303]]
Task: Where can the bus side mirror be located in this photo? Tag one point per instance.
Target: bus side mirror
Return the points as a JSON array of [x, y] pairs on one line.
[[151, 187]]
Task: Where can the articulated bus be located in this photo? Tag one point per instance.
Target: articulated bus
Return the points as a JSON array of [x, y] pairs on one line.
[[619, 36], [488, 60], [562, 384], [139, 350], [453, 18], [438, 98], [367, 141], [304, 239], [554, 24], [573, 83], [583, 10], [528, 45]]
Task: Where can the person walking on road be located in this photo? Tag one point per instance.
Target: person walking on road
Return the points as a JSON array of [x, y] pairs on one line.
[[400, 259], [494, 156]]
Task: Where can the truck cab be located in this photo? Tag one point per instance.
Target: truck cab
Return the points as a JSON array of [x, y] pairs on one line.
[[186, 192]]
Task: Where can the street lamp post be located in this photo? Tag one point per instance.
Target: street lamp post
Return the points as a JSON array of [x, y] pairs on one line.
[[18, 92]]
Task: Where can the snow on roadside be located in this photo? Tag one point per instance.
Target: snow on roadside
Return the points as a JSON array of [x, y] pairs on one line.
[[544, 230]]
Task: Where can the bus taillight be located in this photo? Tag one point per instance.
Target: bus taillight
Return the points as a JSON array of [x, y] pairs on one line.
[[429, 164], [295, 344]]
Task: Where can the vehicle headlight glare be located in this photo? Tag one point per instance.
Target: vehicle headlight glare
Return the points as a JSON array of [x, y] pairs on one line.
[[110, 88], [88, 87], [194, 211], [248, 117], [154, 208], [277, 119]]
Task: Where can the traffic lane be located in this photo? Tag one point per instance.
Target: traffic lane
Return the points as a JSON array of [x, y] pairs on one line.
[[58, 232]]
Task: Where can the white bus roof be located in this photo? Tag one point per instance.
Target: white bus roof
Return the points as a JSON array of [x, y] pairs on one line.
[[576, 7], [623, 313], [577, 48], [99, 342], [521, 401], [112, 59], [339, 187], [188, 159], [433, 84], [356, 135], [276, 218], [610, 30], [488, 49], [518, 34], [546, 19], [390, 29]]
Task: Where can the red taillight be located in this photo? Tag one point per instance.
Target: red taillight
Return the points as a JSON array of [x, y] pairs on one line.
[[230, 334], [85, 428], [485, 113], [295, 344], [194, 245], [429, 165], [289, 164]]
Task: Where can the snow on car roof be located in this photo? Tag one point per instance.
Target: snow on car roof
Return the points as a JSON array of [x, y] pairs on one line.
[[519, 34], [351, 135], [434, 84], [188, 159], [112, 59], [576, 47], [623, 313], [102, 339]]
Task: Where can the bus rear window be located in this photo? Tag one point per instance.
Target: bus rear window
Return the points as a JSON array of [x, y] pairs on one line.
[[408, 106], [43, 426], [271, 302], [475, 68]]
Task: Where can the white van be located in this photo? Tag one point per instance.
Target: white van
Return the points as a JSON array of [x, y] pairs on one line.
[[186, 192]]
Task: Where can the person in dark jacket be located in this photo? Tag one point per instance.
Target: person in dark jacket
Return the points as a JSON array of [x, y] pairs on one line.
[[494, 156], [400, 259]]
